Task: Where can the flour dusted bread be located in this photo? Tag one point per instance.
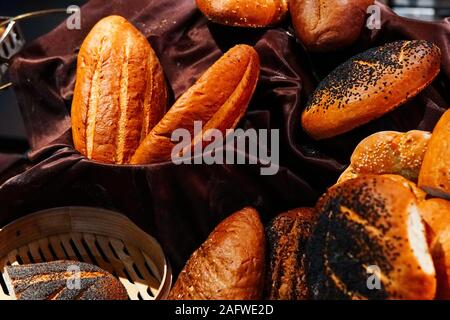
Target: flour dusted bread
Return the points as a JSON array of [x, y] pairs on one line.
[[369, 85], [229, 265], [366, 225], [119, 94]]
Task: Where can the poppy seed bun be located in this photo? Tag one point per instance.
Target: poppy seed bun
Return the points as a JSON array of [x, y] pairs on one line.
[[369, 85], [365, 222]]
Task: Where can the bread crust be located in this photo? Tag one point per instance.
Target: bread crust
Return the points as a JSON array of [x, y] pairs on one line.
[[243, 13], [369, 85], [229, 265], [120, 92]]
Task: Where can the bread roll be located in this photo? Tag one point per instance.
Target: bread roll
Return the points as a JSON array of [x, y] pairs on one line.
[[287, 236], [434, 175], [365, 224], [244, 13], [229, 265], [389, 152], [58, 280], [119, 93], [326, 25], [369, 85], [219, 99], [436, 213]]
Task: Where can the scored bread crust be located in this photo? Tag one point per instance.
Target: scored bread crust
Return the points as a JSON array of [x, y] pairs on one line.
[[389, 152], [229, 265], [120, 92], [219, 99], [434, 175], [244, 13], [367, 223], [369, 85]]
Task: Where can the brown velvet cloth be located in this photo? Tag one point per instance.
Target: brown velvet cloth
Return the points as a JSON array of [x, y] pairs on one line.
[[180, 205]]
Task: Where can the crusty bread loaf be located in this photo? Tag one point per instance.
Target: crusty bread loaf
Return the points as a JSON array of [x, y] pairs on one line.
[[58, 280], [436, 213], [219, 99], [327, 25], [119, 94], [369, 85], [434, 175], [366, 225], [287, 236], [244, 13], [389, 152], [229, 265]]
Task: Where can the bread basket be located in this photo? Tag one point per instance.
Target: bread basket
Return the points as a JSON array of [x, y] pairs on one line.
[[101, 237]]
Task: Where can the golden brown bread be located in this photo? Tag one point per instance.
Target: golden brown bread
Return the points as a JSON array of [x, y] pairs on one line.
[[58, 280], [369, 85], [229, 265], [436, 213], [389, 152], [244, 13], [325, 25], [119, 93], [219, 99], [287, 236], [434, 175], [367, 223]]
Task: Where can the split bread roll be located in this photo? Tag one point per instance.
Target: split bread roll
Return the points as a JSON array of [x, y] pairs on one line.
[[389, 152], [369, 85], [370, 243], [434, 175], [229, 265], [326, 25], [436, 213], [219, 99], [287, 236], [120, 93], [244, 13]]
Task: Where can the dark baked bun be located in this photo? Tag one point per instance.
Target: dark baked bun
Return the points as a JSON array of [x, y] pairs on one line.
[[287, 236], [369, 85], [365, 222], [49, 281]]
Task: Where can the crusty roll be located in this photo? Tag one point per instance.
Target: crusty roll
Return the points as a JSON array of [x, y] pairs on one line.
[[287, 236], [436, 213], [244, 13], [229, 265], [219, 99], [63, 280], [326, 25], [369, 85], [434, 175], [120, 93], [389, 152], [369, 243], [419, 193]]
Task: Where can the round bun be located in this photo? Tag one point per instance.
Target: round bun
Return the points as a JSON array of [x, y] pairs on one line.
[[389, 152], [369, 85], [369, 243], [244, 13]]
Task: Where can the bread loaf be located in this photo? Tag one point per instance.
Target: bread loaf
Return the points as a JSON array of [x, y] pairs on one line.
[[389, 152], [434, 175], [219, 99], [119, 93], [369, 243], [326, 25], [229, 265], [287, 236], [62, 280], [244, 13], [369, 85]]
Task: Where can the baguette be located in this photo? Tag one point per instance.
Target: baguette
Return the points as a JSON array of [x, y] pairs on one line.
[[120, 93], [219, 99]]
